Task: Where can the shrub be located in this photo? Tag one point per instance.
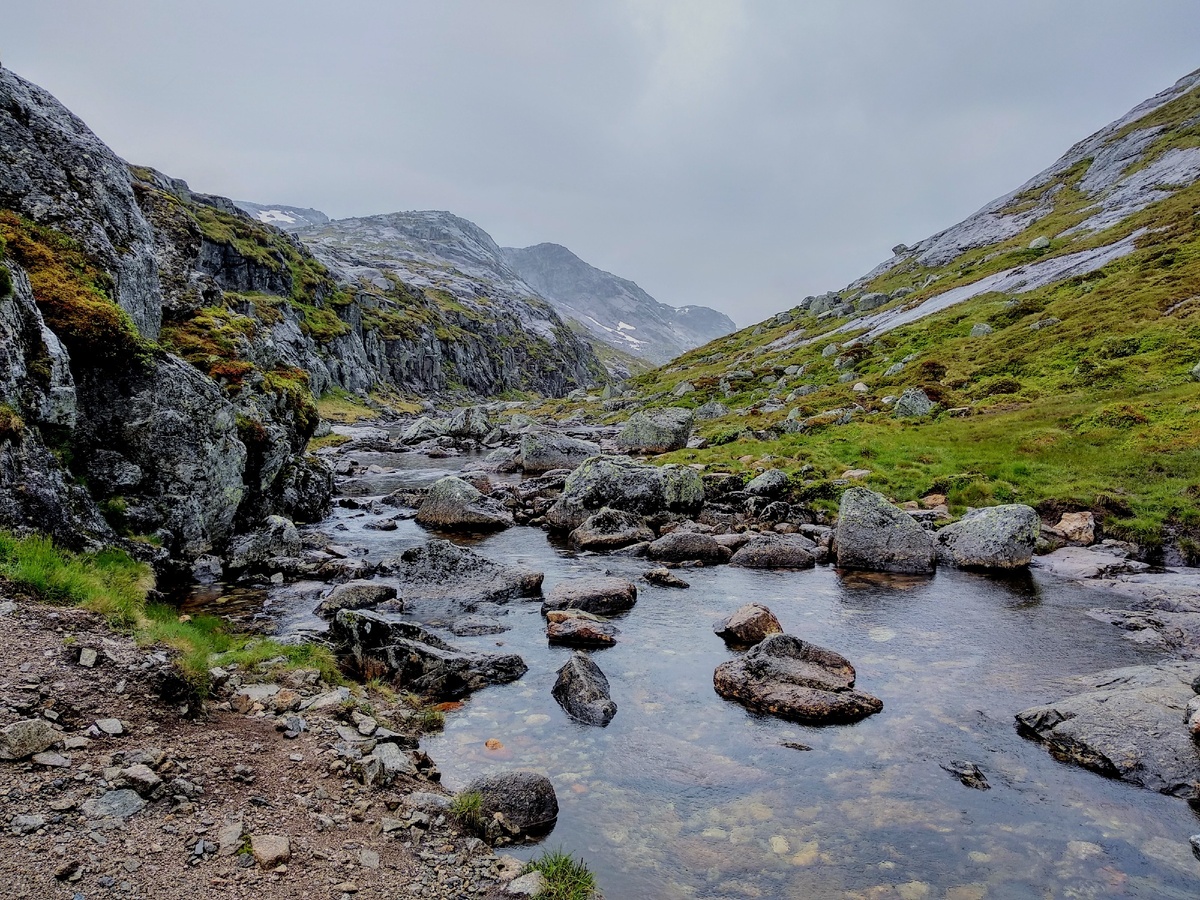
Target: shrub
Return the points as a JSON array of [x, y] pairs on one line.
[[566, 877]]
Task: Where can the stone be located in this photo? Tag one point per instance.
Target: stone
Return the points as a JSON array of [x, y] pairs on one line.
[[685, 546], [27, 737], [545, 451], [423, 429], [578, 629], [469, 422], [1077, 528], [88, 657], [357, 594], [874, 300], [26, 824], [1049, 322], [142, 779], [229, 839], [470, 626], [441, 570], [968, 773], [453, 504], [664, 577], [1041, 242], [776, 551], [873, 534], [51, 760], [657, 431], [1196, 372], [583, 692], [981, 329], [787, 677], [994, 537], [1082, 563], [913, 404], [715, 409], [598, 596], [277, 537], [531, 885], [748, 625], [119, 804], [270, 850], [610, 529], [623, 484], [771, 484], [525, 800], [893, 369]]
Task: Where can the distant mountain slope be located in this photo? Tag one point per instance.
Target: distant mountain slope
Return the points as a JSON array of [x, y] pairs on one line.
[[288, 218], [614, 309]]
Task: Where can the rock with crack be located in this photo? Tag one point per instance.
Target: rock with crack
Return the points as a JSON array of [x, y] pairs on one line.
[[523, 802], [575, 628], [417, 660], [582, 691], [995, 537], [873, 534], [610, 529], [598, 596], [787, 677], [440, 570], [624, 484], [748, 625], [453, 504]]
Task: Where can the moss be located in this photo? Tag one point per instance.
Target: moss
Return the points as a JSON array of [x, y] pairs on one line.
[[292, 385], [6, 284], [11, 424]]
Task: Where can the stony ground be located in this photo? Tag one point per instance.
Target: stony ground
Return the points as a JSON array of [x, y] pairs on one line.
[[155, 804]]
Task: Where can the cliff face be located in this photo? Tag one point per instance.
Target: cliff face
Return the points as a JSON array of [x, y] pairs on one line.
[[615, 310]]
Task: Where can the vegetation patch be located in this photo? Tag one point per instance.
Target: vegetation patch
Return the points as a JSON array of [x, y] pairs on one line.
[[567, 878], [11, 424]]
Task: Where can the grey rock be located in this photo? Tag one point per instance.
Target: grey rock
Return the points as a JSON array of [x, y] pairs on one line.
[[583, 692], [574, 628], [829, 350], [142, 779], [26, 824], [598, 596], [995, 537], [664, 577], [771, 484], [454, 504], [545, 451], [51, 760], [440, 570], [277, 537], [1041, 242], [913, 404], [626, 485], [610, 529], [981, 329], [893, 369], [715, 409], [469, 422], [874, 534], [423, 429], [1048, 322], [469, 626], [684, 546], [531, 885], [25, 738], [357, 594], [657, 431], [868, 302], [120, 804], [776, 551], [1196, 372], [525, 800]]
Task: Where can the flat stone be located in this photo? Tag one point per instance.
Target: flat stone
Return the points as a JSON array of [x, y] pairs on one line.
[[229, 839], [270, 850], [119, 804], [111, 727], [88, 657], [52, 760], [530, 885], [142, 779]]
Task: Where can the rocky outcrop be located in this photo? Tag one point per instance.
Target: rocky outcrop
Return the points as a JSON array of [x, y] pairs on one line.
[[583, 692], [545, 451], [455, 505], [747, 625], [657, 431], [629, 486], [995, 537], [524, 801], [442, 571], [598, 596], [610, 529], [873, 534], [1126, 723], [787, 677]]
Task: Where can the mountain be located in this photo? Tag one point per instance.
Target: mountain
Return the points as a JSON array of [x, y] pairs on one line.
[[615, 310], [1056, 332], [287, 218]]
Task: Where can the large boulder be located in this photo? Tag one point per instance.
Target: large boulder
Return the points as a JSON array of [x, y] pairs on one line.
[[770, 484], [423, 429], [657, 431], [688, 546], [995, 537], [575, 628], [748, 625], [913, 404], [440, 570], [787, 677], [545, 451], [582, 691], [357, 594], [610, 529], [414, 659], [776, 551], [873, 534], [598, 596], [469, 422], [276, 538], [629, 486], [525, 800], [453, 504], [1126, 723]]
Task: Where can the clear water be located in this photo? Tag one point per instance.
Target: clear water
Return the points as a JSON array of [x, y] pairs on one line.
[[686, 795]]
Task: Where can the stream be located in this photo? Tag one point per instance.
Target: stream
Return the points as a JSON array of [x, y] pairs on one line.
[[686, 795]]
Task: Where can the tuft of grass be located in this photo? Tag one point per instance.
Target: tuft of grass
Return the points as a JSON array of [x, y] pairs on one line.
[[467, 809], [567, 878], [11, 424]]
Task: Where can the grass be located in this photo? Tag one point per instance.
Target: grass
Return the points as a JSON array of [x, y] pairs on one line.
[[114, 585], [567, 878], [467, 809], [338, 405]]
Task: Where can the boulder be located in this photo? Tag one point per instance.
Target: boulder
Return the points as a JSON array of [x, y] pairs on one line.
[[416, 660], [545, 451], [995, 537], [629, 486], [610, 529], [873, 534], [686, 546], [598, 596], [664, 577], [787, 677], [582, 691], [913, 404], [473, 626], [276, 538], [440, 570], [21, 740], [715, 409], [657, 431], [981, 329], [776, 551], [748, 624], [455, 505], [358, 594], [574, 628], [120, 804], [469, 422], [1076, 528], [525, 800], [771, 484], [423, 429], [1126, 723]]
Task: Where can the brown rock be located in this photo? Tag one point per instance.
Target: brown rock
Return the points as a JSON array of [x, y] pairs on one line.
[[270, 850], [748, 625], [579, 629]]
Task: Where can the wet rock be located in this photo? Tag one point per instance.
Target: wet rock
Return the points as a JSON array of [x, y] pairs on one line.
[[623, 484], [664, 577], [469, 626], [545, 451], [771, 484], [968, 773], [574, 628], [610, 529], [747, 625], [776, 551], [1126, 723], [423, 429], [23, 739], [995, 537], [684, 546], [119, 804], [582, 691], [657, 431], [598, 596], [873, 534], [270, 850], [417, 659], [525, 800], [793, 679], [440, 570], [355, 595], [1081, 563], [455, 505], [277, 537]]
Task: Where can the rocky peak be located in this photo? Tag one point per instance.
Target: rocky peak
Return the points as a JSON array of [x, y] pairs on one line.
[[287, 218]]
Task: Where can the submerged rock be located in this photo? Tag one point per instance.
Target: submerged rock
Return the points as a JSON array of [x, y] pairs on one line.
[[598, 596], [873, 534], [610, 529], [623, 484], [525, 801], [582, 691], [657, 431], [748, 624], [996, 537], [664, 577], [968, 773], [545, 451], [793, 679], [440, 570], [454, 504]]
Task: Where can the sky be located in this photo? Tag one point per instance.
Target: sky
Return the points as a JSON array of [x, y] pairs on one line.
[[738, 154]]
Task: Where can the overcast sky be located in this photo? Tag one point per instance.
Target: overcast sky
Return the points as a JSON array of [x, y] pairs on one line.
[[733, 153]]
